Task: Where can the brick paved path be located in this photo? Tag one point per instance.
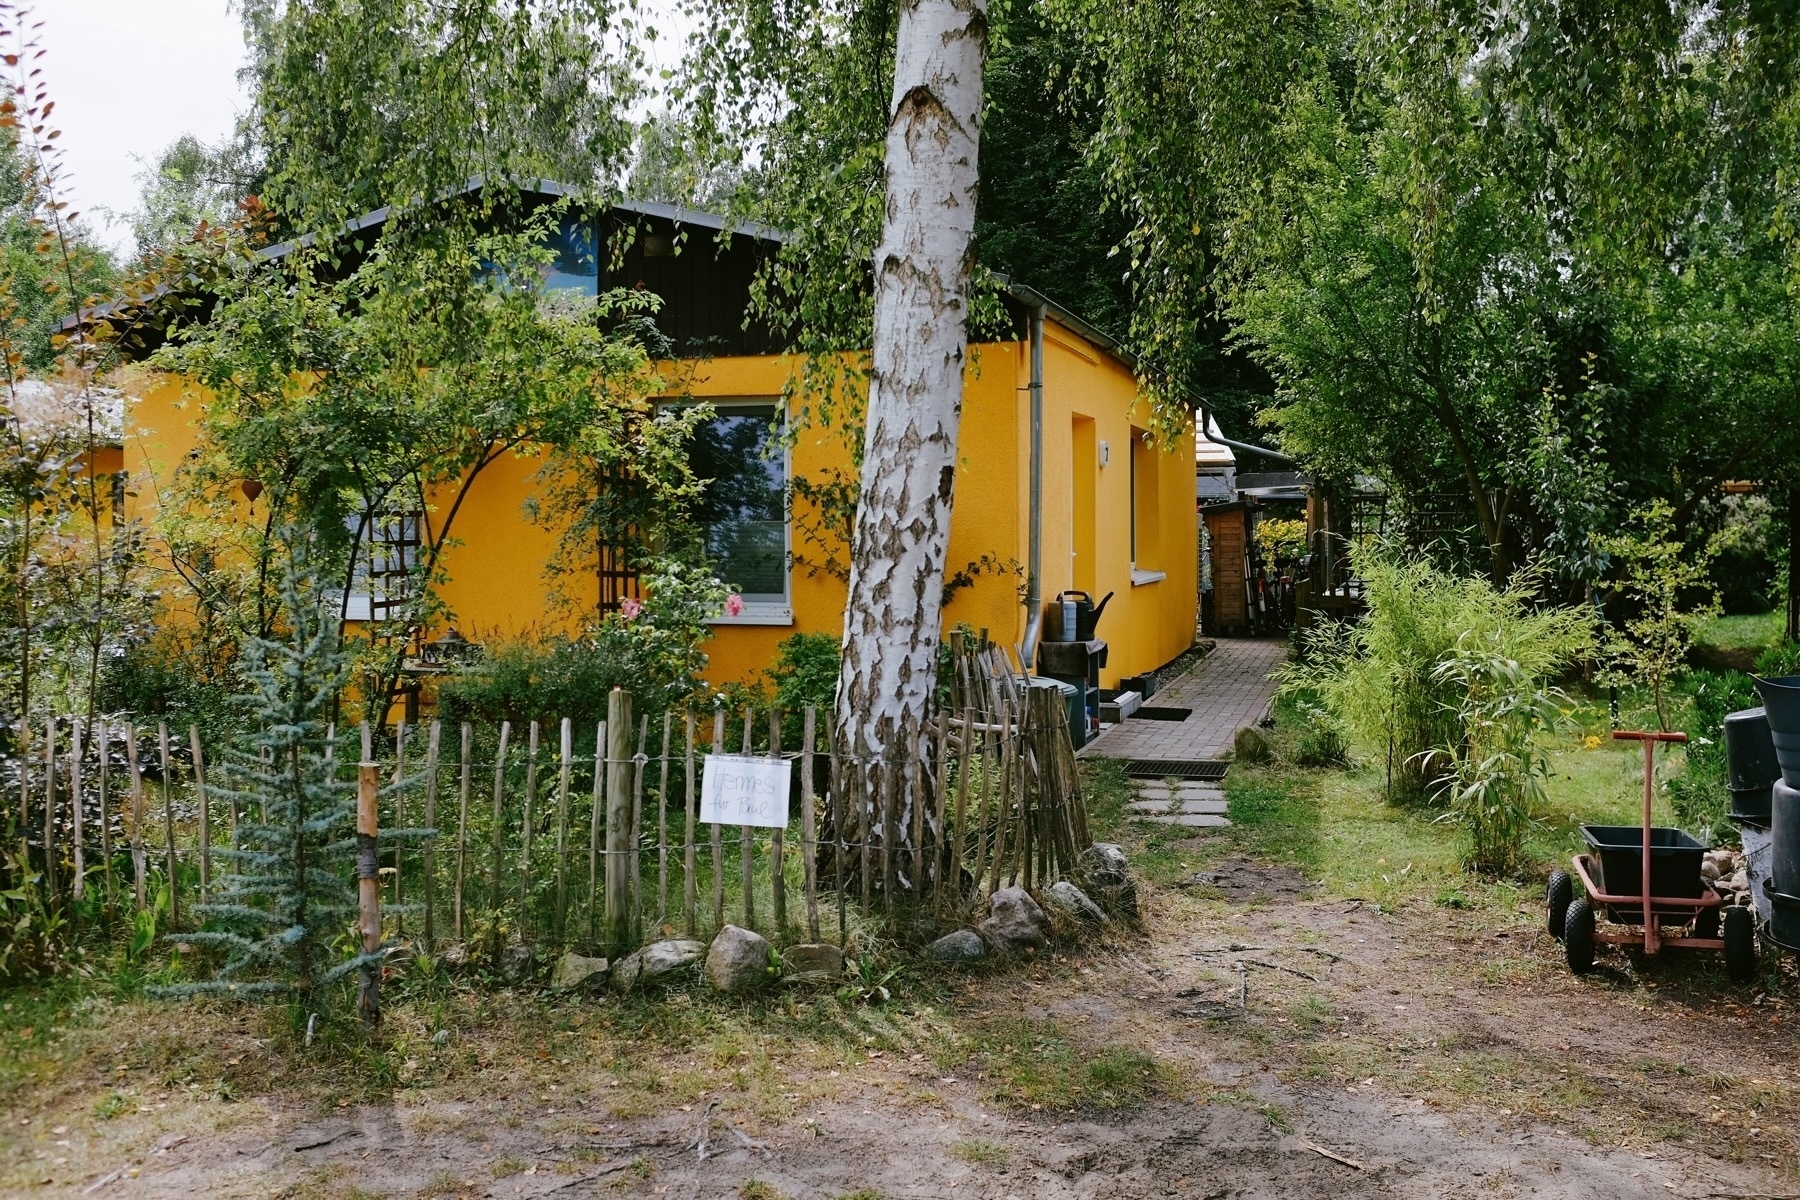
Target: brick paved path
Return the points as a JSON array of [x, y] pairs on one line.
[[1228, 689]]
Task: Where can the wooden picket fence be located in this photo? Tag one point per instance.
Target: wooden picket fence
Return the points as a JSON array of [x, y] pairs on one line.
[[556, 836]]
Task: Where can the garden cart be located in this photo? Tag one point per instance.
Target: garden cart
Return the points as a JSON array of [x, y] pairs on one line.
[[1646, 881]]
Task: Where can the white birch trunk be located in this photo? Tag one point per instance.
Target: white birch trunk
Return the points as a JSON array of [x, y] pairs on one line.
[[892, 617]]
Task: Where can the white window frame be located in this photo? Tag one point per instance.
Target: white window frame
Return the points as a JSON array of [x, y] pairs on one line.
[[360, 604]]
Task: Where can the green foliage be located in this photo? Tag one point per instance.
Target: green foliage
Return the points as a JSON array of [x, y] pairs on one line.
[[1385, 676], [1494, 773], [805, 670], [652, 651], [278, 913], [1698, 795], [1280, 539], [1667, 586]]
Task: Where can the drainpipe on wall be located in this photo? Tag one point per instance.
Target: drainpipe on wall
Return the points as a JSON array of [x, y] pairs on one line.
[[1034, 571]]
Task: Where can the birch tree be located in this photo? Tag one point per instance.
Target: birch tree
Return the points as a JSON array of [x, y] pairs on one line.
[[922, 267]]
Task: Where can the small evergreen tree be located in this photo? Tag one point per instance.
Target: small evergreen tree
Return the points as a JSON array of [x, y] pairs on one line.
[[292, 887]]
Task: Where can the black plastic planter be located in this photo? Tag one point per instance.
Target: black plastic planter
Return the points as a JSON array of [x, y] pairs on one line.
[[1781, 706], [1784, 918], [1749, 751], [1750, 806], [1784, 837]]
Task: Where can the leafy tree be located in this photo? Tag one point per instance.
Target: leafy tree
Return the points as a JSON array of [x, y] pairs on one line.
[[192, 184], [1666, 589]]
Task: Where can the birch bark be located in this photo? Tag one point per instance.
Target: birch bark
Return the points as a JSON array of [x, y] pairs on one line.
[[892, 615]]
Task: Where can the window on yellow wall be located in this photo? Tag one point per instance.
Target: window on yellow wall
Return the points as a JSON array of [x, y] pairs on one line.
[[1146, 540], [742, 511]]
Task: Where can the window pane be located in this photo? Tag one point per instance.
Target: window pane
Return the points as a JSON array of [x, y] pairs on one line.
[[743, 510], [576, 266]]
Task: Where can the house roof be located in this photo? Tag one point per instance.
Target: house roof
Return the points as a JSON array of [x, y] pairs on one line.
[[1022, 294], [1209, 452]]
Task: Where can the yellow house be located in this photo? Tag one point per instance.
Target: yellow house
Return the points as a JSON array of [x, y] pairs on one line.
[[1116, 507]]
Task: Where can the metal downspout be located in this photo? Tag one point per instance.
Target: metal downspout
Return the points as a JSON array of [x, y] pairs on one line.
[[1034, 571]]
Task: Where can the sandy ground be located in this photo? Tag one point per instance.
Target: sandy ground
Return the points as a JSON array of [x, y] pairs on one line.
[[1308, 1048]]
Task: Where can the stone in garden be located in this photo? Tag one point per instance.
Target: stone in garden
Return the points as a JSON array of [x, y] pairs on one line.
[[655, 963], [1075, 902], [962, 945], [1015, 924], [1248, 745], [516, 962], [812, 962], [1104, 875], [738, 960], [573, 970]]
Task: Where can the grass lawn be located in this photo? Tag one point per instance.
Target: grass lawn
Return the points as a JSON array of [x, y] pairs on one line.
[[1756, 632]]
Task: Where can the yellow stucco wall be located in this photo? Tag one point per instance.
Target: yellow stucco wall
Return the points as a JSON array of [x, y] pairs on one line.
[[496, 586]]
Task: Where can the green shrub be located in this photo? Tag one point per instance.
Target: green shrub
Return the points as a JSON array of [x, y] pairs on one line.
[[1698, 795], [1380, 677], [1495, 771], [651, 649]]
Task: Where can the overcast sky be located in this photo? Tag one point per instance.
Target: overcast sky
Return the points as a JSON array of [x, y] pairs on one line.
[[128, 78]]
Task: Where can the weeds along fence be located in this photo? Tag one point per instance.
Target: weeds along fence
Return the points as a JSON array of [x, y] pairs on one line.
[[554, 836]]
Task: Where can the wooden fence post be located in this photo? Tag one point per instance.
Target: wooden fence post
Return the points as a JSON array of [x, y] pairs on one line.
[[103, 743], [430, 853], [462, 831], [567, 749], [809, 840], [399, 823], [941, 834], [747, 849], [495, 891], [635, 877], [368, 891], [50, 809], [137, 812], [78, 888], [777, 840], [691, 804], [531, 757], [596, 817], [162, 743], [662, 826], [205, 815], [718, 839], [618, 820]]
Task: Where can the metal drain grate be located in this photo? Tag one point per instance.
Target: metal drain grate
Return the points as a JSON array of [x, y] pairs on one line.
[[1168, 768], [1153, 712]]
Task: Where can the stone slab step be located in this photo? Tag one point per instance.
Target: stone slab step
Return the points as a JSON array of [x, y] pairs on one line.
[[1185, 806], [1192, 820], [1186, 791]]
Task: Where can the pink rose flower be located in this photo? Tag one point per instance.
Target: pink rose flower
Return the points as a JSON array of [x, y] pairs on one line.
[[734, 605], [629, 608]]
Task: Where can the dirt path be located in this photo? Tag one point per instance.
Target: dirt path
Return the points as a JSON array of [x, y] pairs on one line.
[[1440, 1053]]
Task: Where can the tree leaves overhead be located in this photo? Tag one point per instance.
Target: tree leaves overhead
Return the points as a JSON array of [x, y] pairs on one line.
[[364, 103]]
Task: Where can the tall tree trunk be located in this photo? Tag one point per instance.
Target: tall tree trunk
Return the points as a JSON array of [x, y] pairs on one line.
[[892, 614]]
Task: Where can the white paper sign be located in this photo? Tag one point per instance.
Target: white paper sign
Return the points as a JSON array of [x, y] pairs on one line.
[[737, 790]]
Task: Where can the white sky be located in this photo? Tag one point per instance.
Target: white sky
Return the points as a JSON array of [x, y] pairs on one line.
[[128, 78]]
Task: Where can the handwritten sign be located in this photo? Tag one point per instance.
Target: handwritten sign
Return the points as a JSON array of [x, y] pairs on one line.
[[736, 790]]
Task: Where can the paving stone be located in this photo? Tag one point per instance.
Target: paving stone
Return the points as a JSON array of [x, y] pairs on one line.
[[1180, 806], [1193, 820]]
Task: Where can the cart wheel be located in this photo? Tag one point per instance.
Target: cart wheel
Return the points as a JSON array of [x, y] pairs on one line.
[[1706, 925], [1740, 944], [1578, 936], [1559, 893]]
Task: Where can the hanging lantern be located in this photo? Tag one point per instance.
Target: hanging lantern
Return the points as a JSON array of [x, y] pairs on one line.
[[251, 488]]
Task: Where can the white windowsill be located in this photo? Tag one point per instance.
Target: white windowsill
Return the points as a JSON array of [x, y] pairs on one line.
[[758, 614], [1140, 578]]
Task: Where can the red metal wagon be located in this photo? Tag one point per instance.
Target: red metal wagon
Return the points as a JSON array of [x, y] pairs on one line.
[[1671, 906]]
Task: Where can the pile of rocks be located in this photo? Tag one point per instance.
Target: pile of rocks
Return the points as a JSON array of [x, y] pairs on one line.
[[738, 960], [1726, 871], [1016, 926]]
